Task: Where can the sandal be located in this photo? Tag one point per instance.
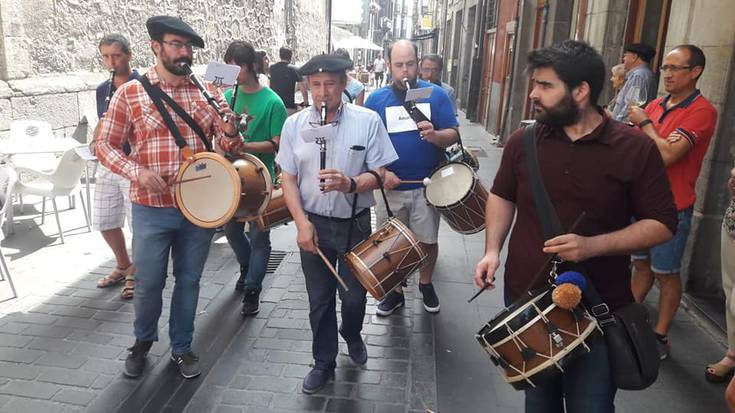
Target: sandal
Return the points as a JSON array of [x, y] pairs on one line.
[[129, 288], [116, 277], [718, 372]]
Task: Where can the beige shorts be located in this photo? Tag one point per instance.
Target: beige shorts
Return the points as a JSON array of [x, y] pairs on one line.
[[413, 210]]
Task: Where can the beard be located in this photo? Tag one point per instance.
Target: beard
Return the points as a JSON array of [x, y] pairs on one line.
[[174, 66], [402, 85], [562, 114]]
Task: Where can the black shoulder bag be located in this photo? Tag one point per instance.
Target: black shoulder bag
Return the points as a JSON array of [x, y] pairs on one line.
[[631, 343]]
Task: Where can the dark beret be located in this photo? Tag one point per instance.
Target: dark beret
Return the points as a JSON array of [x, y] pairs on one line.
[[325, 63], [643, 50], [160, 25]]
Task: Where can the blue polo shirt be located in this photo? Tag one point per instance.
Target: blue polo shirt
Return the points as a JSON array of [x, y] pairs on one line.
[[416, 157]]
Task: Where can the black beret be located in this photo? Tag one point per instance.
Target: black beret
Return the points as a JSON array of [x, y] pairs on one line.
[[329, 63], [160, 25], [643, 50]]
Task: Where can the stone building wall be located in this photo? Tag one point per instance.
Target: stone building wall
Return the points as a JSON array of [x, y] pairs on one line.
[[49, 63]]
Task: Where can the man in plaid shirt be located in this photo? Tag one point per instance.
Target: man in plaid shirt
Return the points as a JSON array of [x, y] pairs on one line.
[[159, 228]]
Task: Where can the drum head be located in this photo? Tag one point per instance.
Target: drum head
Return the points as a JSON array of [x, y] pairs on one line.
[[208, 202], [449, 184]]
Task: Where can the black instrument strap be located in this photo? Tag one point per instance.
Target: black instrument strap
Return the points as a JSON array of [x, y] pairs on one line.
[[156, 94], [550, 223]]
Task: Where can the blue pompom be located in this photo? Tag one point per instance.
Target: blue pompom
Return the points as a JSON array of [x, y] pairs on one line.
[[572, 277]]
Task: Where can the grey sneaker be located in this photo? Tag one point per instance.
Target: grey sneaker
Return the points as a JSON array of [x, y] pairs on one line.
[[188, 364], [136, 360]]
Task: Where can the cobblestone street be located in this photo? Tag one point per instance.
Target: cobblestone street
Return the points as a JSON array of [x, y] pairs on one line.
[[63, 341]]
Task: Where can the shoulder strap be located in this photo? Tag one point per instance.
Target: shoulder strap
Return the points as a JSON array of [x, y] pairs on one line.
[[349, 96], [156, 94], [550, 223], [188, 119]]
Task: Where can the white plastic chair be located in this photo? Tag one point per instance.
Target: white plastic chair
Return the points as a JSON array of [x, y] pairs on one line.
[[29, 129], [62, 181], [8, 179]]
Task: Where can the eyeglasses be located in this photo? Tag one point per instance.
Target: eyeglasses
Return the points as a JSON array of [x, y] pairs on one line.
[[674, 68], [178, 45]]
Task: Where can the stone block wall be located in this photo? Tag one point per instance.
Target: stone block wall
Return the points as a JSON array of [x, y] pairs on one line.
[[50, 65]]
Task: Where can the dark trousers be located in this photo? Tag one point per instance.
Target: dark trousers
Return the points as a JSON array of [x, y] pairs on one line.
[[321, 286]]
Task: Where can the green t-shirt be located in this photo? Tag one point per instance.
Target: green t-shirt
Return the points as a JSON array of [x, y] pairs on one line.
[[268, 113]]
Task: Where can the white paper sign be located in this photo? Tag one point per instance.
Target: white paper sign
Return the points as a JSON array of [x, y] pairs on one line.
[[222, 75], [416, 94], [398, 119], [328, 131]]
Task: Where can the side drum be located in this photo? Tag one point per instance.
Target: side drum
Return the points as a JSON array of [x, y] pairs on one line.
[[532, 340], [215, 190], [276, 213], [457, 193], [387, 257]]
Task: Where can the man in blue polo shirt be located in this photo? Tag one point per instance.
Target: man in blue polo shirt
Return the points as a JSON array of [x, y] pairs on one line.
[[420, 147]]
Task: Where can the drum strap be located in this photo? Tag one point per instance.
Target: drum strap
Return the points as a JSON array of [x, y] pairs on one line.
[[354, 206], [156, 95]]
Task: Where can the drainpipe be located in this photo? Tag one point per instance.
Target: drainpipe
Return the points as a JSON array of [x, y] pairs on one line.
[[506, 107], [544, 24]]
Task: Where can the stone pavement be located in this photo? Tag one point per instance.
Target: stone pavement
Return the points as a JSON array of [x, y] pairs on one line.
[[62, 343]]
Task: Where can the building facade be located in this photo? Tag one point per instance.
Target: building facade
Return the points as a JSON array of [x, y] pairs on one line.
[[50, 66], [486, 42]]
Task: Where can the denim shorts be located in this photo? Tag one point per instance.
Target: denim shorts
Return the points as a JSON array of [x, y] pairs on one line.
[[666, 258]]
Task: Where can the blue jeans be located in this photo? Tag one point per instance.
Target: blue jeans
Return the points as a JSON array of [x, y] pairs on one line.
[[158, 232], [321, 286], [666, 258], [586, 385], [252, 251]]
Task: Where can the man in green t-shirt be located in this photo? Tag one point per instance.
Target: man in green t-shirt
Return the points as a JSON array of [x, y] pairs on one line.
[[261, 139]]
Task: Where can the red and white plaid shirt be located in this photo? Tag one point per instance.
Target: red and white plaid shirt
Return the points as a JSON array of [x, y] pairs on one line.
[[133, 117]]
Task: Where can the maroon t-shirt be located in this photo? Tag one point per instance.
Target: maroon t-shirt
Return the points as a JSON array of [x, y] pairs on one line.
[[613, 174]]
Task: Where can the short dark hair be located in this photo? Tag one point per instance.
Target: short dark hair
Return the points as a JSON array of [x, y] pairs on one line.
[[433, 57], [117, 39], [415, 48], [242, 53], [574, 62], [285, 53], [696, 56], [644, 51]]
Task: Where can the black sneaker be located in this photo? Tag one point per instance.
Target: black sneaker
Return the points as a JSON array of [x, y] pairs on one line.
[[391, 302], [136, 360], [251, 301], [240, 284], [188, 364], [431, 301]]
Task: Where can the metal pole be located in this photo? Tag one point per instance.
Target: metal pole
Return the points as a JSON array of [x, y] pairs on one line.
[[329, 26]]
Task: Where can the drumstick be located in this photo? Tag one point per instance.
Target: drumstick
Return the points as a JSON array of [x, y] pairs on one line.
[[183, 181], [425, 181], [486, 285], [331, 268]]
